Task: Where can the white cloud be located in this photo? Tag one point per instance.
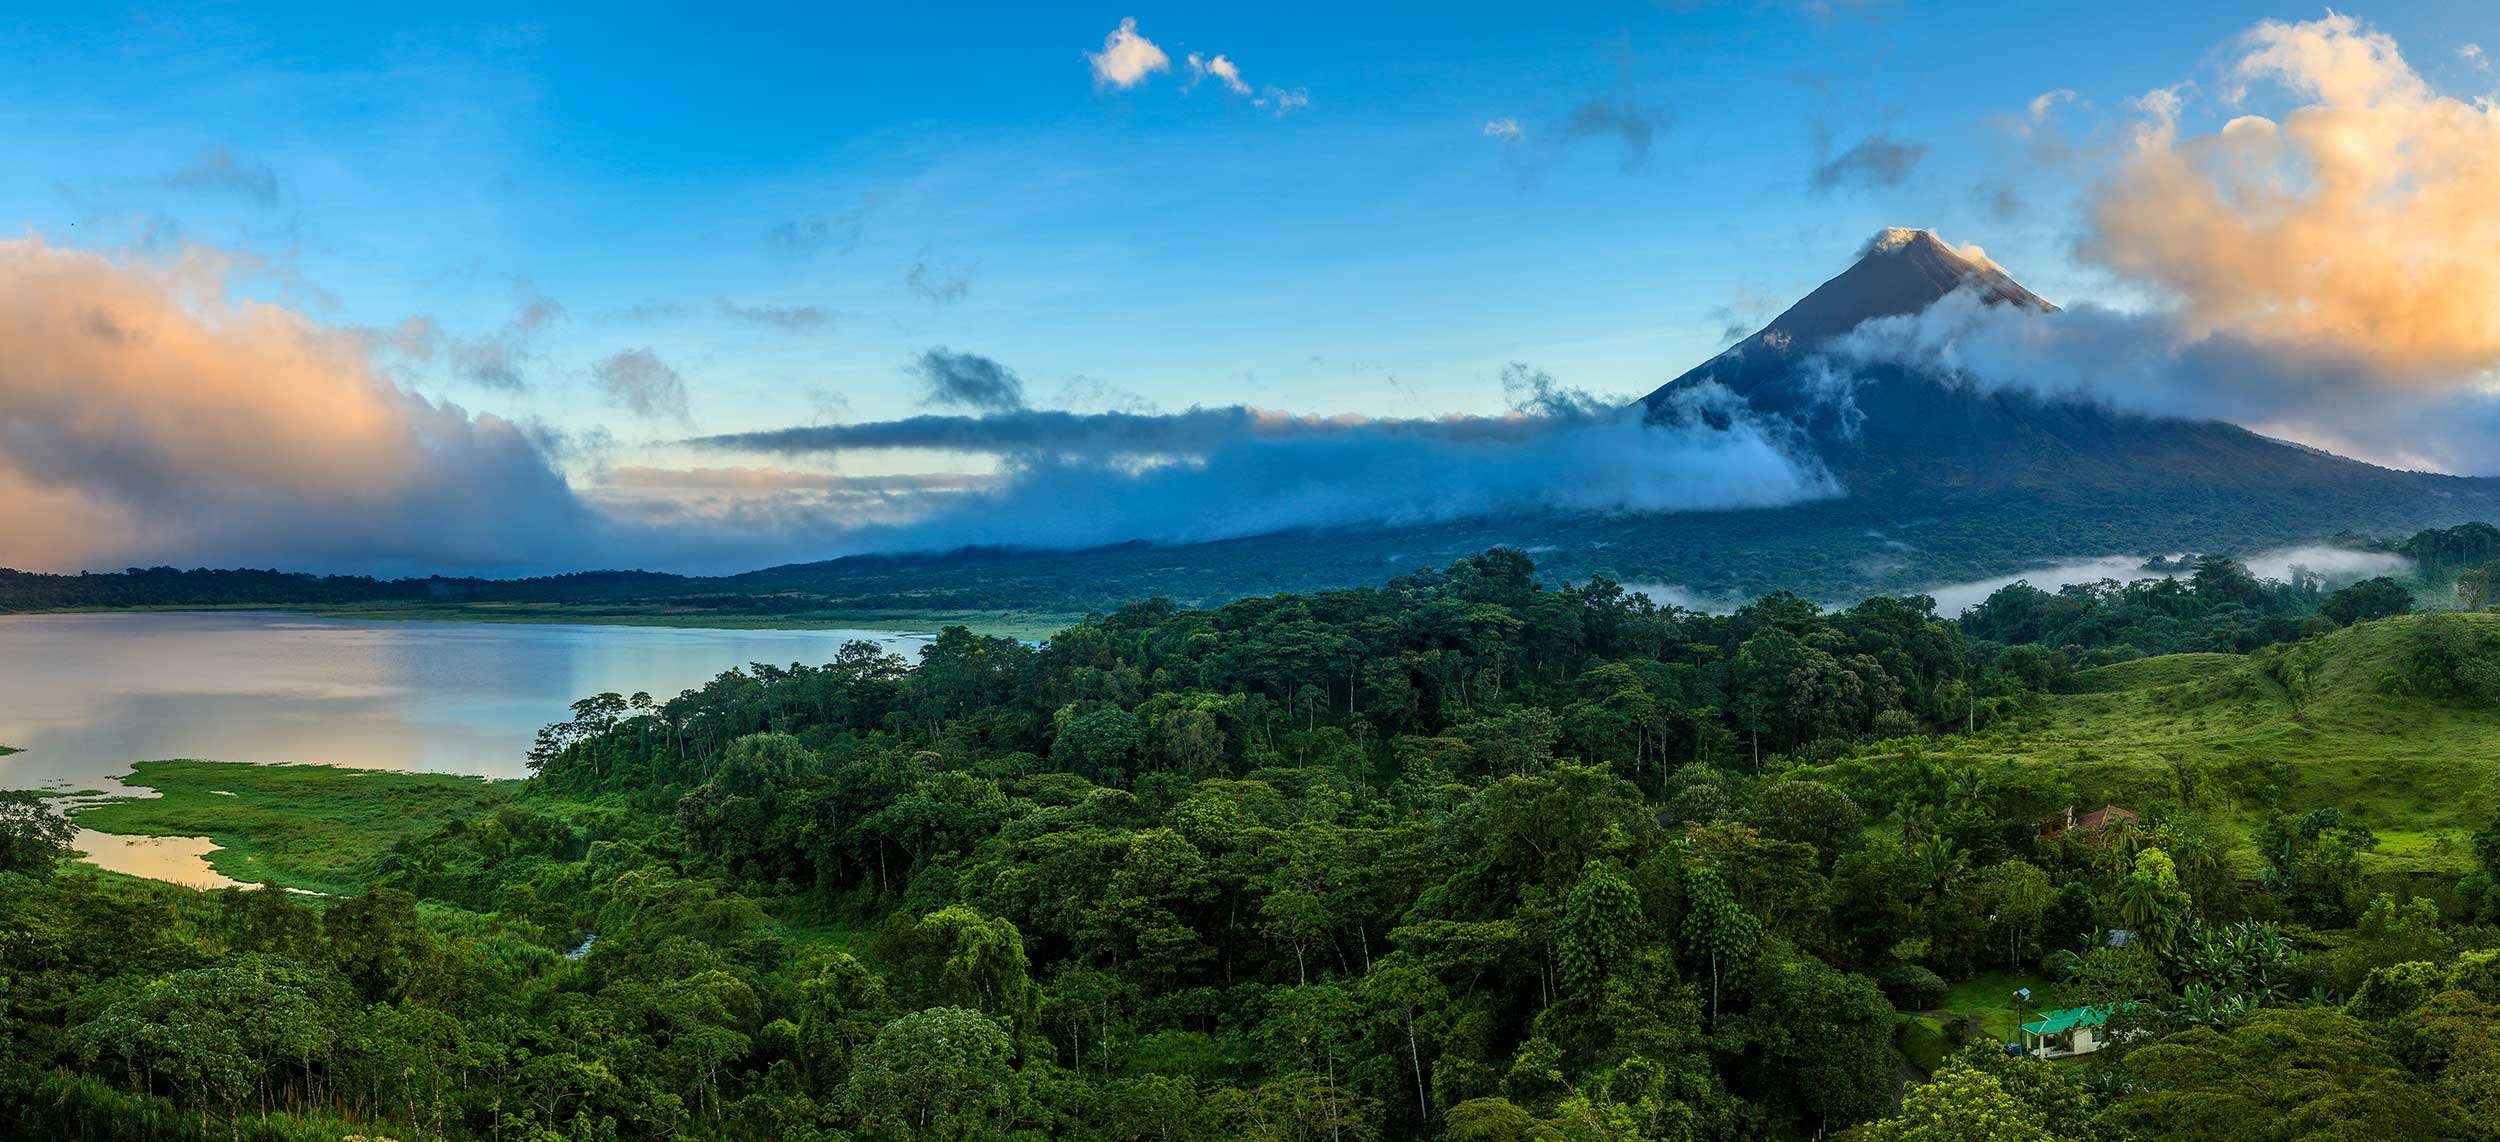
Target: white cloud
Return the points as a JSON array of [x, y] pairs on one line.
[[2036, 113], [1224, 71], [2473, 54], [1126, 58], [2047, 101], [1084, 479], [1505, 130], [1281, 100]]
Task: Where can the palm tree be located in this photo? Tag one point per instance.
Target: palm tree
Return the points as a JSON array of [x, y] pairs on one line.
[[2150, 900]]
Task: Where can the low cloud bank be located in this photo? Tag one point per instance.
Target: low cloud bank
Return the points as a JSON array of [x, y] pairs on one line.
[[1079, 479], [1708, 603], [2336, 565], [2154, 364], [148, 417]]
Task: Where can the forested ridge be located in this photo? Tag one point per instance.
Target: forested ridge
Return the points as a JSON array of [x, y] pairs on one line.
[[1461, 856], [1834, 550]]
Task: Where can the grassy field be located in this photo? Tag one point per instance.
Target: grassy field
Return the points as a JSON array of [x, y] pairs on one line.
[[2228, 735], [1923, 1041], [303, 826], [1988, 999]]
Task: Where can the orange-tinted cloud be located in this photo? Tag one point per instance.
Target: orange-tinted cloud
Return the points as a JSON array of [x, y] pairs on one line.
[[2361, 222], [143, 413]]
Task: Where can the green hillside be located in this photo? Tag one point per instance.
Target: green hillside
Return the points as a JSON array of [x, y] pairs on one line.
[[2335, 721]]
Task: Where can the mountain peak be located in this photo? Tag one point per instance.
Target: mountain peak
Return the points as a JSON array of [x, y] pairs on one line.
[[1901, 270], [1895, 239], [1916, 267]]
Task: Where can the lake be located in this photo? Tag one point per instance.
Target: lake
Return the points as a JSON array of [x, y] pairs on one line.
[[84, 695]]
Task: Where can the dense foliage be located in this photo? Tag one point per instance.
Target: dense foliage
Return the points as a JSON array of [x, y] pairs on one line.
[[1460, 856]]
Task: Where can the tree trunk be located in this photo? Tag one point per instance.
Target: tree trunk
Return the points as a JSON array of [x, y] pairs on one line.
[[1423, 1109]]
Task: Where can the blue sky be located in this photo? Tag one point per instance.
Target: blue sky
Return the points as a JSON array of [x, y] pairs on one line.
[[881, 180]]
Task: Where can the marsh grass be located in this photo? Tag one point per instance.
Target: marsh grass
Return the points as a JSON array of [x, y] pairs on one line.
[[316, 827]]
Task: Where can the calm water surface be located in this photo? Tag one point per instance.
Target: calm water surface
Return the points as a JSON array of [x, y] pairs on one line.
[[86, 695]]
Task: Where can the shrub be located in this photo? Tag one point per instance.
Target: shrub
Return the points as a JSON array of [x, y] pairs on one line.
[[1912, 987]]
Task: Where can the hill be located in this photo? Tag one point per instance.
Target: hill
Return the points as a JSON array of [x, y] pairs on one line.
[[2337, 721]]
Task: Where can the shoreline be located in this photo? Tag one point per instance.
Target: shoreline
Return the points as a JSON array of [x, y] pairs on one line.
[[1031, 625], [309, 827]]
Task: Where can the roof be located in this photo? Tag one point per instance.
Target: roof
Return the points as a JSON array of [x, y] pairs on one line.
[[2105, 816], [2073, 1017]]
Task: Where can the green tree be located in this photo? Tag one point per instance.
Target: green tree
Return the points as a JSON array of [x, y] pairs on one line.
[[2251, 958], [1101, 746], [2285, 1073], [2478, 588], [379, 942], [33, 838], [1805, 812], [958, 957], [1817, 1042], [2368, 599], [268, 919], [1601, 919], [246, 1030], [1961, 1104], [940, 1073], [2150, 901], [2389, 932], [2017, 894], [2313, 862], [1717, 930]]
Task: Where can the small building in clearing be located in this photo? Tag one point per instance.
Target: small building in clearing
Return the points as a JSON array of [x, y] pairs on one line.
[[2071, 1031], [2105, 817]]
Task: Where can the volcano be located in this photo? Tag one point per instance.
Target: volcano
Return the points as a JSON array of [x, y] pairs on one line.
[[1939, 483], [1897, 432]]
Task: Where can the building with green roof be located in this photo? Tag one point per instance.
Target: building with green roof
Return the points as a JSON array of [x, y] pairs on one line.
[[2070, 1031]]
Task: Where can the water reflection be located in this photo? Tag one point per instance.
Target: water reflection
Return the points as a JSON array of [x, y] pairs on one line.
[[177, 860], [86, 695]]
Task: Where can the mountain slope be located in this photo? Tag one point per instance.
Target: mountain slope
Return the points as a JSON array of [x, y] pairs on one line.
[[1898, 432], [1899, 272], [1943, 485]]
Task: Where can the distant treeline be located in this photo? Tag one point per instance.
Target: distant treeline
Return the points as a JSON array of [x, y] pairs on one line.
[[206, 587], [971, 579]]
